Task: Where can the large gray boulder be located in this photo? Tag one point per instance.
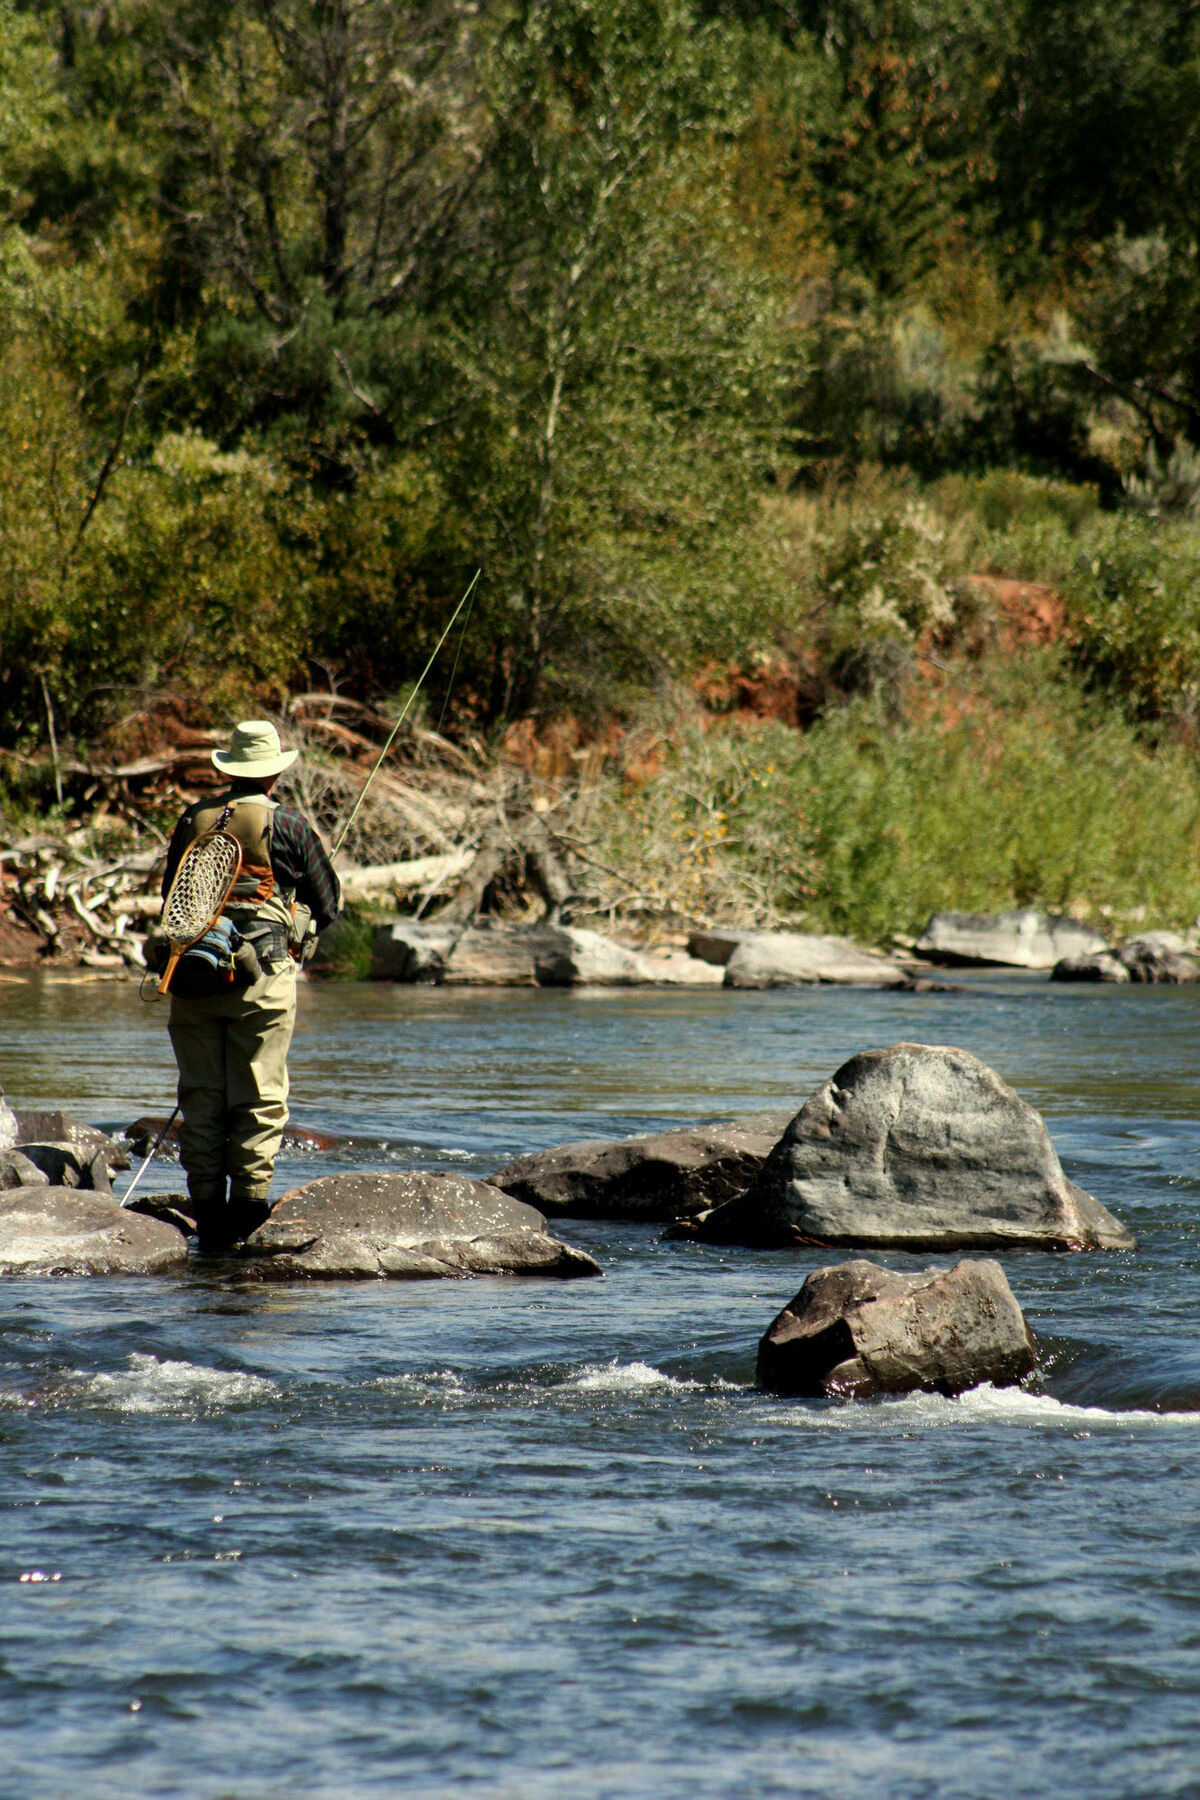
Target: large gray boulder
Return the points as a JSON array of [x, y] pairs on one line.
[[65, 1231], [918, 1147], [855, 1329], [370, 1226], [769, 959], [665, 1175], [1016, 940], [10, 1129], [1156, 957]]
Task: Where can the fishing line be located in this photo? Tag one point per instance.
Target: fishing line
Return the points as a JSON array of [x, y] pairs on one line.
[[462, 638], [342, 835]]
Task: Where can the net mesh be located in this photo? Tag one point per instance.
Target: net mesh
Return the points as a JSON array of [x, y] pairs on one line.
[[201, 887]]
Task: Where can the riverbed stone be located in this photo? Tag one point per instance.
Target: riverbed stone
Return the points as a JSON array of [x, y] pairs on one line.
[[661, 1176], [413, 1226], [57, 1127], [18, 1170], [10, 1129], [856, 1329], [70, 1166], [67, 1231], [916, 1147], [1156, 958], [766, 959], [1018, 940]]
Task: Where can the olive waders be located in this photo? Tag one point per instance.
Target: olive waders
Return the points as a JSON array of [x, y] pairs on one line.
[[231, 1047]]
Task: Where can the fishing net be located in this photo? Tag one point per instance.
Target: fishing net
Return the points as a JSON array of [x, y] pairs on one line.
[[202, 884]]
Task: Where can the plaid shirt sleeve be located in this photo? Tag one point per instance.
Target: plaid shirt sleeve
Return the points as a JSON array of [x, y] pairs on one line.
[[301, 863]]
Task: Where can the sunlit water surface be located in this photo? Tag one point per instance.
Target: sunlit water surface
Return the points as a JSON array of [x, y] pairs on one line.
[[532, 1541]]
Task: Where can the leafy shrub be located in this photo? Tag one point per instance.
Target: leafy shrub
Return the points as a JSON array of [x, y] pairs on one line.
[[1133, 596]]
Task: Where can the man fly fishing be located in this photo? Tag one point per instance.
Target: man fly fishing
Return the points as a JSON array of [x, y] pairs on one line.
[[233, 994], [247, 889]]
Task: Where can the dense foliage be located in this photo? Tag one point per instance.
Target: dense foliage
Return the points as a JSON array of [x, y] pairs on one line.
[[707, 331]]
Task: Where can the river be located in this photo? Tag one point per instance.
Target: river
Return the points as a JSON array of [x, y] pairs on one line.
[[540, 1541]]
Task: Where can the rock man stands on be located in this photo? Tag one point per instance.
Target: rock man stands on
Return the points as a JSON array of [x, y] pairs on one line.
[[231, 1047]]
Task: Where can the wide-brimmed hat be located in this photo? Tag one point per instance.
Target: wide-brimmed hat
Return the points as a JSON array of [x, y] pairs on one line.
[[254, 749]]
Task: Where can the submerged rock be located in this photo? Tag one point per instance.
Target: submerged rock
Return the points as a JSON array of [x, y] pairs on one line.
[[1016, 940], [855, 1329], [918, 1147], [143, 1132], [411, 1226], [63, 1231], [1155, 958], [666, 1175]]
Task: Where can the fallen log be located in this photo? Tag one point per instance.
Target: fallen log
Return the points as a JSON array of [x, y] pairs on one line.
[[401, 877]]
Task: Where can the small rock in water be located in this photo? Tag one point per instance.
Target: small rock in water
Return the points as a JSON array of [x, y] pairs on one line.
[[61, 1128], [855, 1329], [1157, 958], [69, 1166], [663, 1176], [917, 1147], [65, 1231], [370, 1226]]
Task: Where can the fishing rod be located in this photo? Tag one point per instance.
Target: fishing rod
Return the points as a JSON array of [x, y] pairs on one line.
[[155, 1147], [343, 834]]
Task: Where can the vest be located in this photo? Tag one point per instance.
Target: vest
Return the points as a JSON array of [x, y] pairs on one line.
[[257, 897]]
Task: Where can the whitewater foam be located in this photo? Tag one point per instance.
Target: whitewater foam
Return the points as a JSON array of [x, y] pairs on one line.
[[626, 1378], [985, 1405], [150, 1386]]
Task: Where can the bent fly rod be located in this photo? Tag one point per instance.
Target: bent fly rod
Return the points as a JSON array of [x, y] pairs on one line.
[[393, 734]]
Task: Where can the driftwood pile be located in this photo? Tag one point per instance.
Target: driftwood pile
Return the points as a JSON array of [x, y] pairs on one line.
[[84, 908], [445, 831]]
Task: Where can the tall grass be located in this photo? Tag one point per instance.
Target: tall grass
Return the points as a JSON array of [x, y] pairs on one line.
[[1015, 789]]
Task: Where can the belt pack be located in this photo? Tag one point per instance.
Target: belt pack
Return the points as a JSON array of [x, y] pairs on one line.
[[225, 957]]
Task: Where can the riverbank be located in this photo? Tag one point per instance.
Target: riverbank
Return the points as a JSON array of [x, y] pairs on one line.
[[994, 795]]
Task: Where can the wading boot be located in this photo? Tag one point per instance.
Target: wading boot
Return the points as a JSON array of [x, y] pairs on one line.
[[248, 1209]]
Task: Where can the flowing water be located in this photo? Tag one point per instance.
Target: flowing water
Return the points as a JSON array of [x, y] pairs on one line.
[[533, 1541]]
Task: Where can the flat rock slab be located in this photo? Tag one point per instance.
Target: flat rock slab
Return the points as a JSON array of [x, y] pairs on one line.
[[1016, 940], [917, 1147], [855, 1330], [766, 959], [368, 1226], [68, 1231], [674, 968], [502, 955], [664, 1176]]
